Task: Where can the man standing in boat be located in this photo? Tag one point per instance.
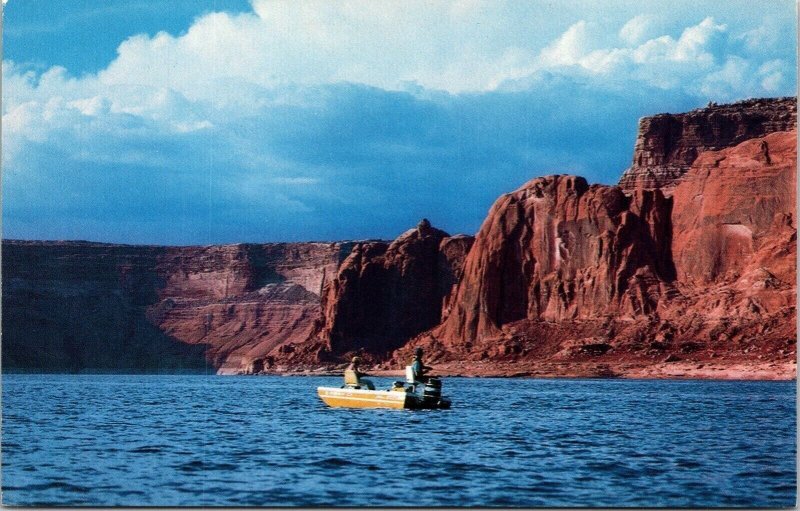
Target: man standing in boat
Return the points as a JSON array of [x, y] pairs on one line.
[[419, 369]]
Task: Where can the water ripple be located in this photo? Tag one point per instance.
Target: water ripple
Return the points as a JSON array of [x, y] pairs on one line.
[[211, 441]]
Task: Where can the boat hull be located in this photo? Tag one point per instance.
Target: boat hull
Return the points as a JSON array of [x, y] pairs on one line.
[[360, 398]]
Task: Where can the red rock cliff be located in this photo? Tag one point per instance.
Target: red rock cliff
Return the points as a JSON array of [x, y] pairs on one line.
[[564, 276], [384, 294], [668, 144], [558, 249], [689, 264], [71, 306], [250, 303], [730, 205], [74, 306]]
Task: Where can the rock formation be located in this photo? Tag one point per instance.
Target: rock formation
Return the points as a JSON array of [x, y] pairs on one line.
[[730, 204], [73, 306], [79, 306], [686, 268], [558, 249], [76, 306], [668, 144], [565, 275], [246, 301], [453, 252], [384, 294]]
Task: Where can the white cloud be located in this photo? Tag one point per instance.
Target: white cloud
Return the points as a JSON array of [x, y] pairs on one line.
[[252, 94], [229, 65], [732, 76], [772, 75], [636, 29], [224, 60], [568, 49], [700, 61], [698, 43]]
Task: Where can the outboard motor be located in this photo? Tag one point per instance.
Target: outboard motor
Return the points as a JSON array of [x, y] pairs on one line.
[[432, 394], [433, 389]]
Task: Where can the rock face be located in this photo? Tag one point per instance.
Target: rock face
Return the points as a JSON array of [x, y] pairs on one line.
[[735, 246], [74, 306], [558, 249], [251, 301], [668, 144], [79, 306], [687, 266], [453, 252], [730, 205], [565, 275], [384, 294]]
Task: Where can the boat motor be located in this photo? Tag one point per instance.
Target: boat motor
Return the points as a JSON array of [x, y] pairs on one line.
[[432, 394], [433, 389]]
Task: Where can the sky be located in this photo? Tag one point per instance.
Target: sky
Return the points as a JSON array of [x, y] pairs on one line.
[[203, 122]]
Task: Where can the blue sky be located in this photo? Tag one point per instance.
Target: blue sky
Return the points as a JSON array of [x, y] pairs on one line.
[[190, 122]]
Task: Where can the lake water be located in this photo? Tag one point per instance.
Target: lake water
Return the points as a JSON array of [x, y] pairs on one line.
[[265, 441]]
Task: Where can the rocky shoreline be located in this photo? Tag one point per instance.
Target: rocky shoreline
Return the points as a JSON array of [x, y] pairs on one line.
[[743, 370]]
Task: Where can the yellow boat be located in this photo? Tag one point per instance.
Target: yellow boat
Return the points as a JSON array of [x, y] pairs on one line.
[[360, 393]]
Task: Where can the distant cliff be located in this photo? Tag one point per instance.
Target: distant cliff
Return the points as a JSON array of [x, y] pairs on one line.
[[79, 306], [687, 268], [668, 144], [91, 306]]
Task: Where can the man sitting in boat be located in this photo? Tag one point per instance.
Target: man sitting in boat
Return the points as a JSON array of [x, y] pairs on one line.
[[352, 376], [418, 369]]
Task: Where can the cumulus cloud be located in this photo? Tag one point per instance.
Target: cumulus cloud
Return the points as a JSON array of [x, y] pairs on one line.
[[330, 120], [387, 45], [636, 29], [663, 61], [437, 45]]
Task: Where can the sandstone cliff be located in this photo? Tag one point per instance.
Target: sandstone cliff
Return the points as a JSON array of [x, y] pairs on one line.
[[384, 294], [668, 144], [558, 249], [92, 306], [564, 275], [74, 306], [685, 269], [77, 306]]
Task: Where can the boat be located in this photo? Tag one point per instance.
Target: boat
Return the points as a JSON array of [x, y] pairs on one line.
[[360, 393]]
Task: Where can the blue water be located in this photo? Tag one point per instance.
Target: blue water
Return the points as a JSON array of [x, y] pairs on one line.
[[239, 441]]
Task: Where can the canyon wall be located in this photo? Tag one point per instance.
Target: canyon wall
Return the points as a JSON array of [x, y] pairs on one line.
[[386, 293], [72, 306], [92, 306], [565, 275], [78, 306], [668, 144], [556, 250], [689, 263]]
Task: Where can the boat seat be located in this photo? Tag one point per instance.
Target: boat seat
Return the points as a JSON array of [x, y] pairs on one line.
[[410, 375], [352, 380]]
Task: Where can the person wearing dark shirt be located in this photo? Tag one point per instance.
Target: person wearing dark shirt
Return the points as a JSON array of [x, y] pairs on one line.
[[419, 369]]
